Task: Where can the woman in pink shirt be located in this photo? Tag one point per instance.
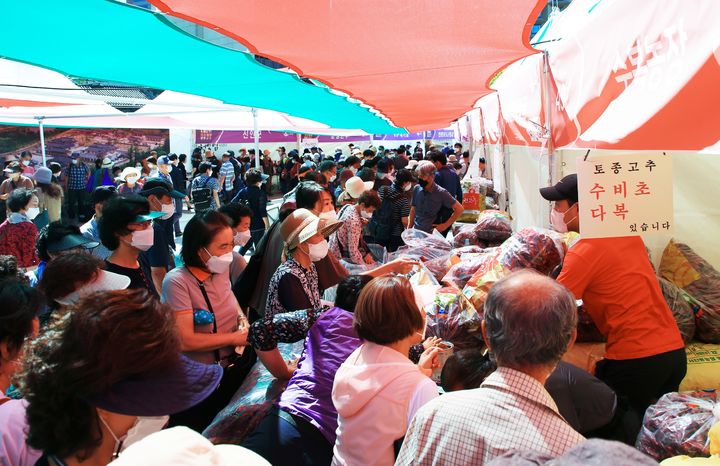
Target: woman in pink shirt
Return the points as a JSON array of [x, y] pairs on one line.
[[377, 390], [18, 321]]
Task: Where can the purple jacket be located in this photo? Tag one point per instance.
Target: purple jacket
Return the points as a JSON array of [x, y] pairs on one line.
[[308, 394]]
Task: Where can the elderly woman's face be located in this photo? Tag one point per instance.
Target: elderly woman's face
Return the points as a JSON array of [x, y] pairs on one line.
[[316, 238]]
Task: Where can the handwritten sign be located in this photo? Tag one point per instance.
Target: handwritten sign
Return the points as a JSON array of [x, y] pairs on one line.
[[625, 195]]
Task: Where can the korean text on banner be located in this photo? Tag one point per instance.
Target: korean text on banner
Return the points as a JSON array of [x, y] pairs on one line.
[[628, 195]]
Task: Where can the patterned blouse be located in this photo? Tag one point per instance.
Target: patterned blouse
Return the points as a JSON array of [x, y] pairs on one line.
[[346, 243], [292, 274]]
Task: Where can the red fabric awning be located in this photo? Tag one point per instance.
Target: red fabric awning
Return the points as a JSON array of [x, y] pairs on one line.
[[639, 75], [422, 64], [7, 103], [650, 84]]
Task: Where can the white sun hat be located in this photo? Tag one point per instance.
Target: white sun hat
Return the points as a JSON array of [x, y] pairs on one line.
[[181, 446], [105, 281], [355, 186]]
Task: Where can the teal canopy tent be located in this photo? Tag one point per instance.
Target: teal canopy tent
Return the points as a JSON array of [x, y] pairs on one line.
[[106, 40]]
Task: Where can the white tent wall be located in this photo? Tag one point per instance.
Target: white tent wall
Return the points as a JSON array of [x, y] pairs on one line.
[[696, 207], [527, 172], [182, 141]]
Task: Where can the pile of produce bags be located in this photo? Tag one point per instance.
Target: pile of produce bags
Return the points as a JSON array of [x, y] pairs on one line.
[[701, 284], [535, 248], [492, 229]]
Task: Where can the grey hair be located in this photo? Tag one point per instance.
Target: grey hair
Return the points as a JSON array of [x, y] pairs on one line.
[[529, 320], [425, 168]]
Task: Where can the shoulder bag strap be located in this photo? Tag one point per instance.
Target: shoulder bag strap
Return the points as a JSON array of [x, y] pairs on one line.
[[201, 285]]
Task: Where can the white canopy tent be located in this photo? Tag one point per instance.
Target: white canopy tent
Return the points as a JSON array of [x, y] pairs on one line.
[[37, 96]]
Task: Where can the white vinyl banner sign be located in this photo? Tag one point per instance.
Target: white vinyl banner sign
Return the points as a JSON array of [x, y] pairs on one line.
[[627, 195]]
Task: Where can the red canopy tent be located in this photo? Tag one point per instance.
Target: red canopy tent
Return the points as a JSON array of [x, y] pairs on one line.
[[636, 75], [422, 64]]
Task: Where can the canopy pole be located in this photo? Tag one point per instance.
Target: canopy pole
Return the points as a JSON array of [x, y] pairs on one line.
[[552, 169], [299, 143], [256, 136], [42, 141]]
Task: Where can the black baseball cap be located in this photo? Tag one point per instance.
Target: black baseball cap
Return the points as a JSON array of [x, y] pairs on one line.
[[565, 190], [128, 208], [159, 187], [102, 193], [71, 241]]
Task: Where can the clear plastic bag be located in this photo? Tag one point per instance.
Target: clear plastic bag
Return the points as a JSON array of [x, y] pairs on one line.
[[530, 248], [683, 267], [419, 239], [356, 269], [440, 266], [488, 272], [251, 402], [461, 251], [678, 424], [465, 236], [452, 318], [420, 275], [422, 246], [493, 226], [460, 273], [533, 248]]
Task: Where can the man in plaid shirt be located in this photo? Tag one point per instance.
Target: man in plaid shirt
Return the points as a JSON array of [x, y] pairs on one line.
[[529, 323], [77, 176]]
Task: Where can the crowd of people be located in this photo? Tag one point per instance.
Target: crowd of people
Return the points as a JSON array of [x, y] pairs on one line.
[[126, 324]]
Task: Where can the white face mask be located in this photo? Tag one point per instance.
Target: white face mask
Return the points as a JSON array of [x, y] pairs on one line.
[[353, 170], [143, 427], [329, 215], [407, 187], [143, 239], [557, 220], [168, 210], [130, 180], [32, 212], [241, 238], [219, 264], [26, 163], [365, 214], [318, 251], [332, 178]]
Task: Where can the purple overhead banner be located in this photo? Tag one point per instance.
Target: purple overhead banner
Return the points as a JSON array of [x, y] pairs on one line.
[[240, 137], [447, 134], [399, 137], [435, 134], [330, 139], [246, 137]]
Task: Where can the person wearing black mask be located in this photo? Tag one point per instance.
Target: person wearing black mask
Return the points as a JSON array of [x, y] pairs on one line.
[[429, 200]]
